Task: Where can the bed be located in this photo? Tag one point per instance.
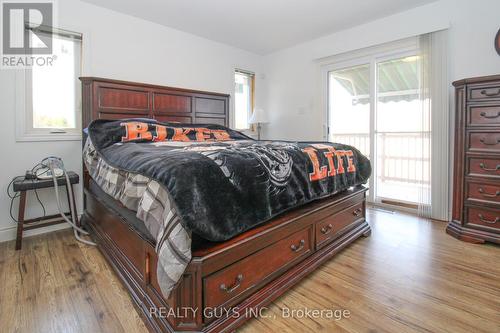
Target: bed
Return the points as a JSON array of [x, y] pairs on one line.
[[226, 281]]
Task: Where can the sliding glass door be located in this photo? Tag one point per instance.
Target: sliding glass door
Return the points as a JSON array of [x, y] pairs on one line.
[[375, 105], [402, 134]]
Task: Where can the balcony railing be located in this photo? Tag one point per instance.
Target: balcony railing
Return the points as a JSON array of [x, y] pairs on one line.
[[401, 164], [361, 141]]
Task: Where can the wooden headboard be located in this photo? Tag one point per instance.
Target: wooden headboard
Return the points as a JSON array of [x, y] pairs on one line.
[[113, 99]]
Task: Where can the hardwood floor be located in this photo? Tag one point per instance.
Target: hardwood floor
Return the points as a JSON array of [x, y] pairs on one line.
[[405, 277]]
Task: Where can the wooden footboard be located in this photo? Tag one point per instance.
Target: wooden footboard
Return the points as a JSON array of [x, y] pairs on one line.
[[240, 275]]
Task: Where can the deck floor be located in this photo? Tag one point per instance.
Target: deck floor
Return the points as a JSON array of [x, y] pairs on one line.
[[408, 276]]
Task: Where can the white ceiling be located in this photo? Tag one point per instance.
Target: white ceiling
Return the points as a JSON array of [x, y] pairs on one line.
[[260, 26]]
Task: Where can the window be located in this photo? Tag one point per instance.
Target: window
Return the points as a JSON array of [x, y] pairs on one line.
[[381, 92], [244, 86], [51, 95]]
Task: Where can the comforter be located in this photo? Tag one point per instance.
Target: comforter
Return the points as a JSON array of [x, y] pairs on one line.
[[210, 180]]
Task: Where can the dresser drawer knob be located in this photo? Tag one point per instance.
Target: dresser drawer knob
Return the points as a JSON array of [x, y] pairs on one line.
[[326, 229], [485, 168], [236, 285], [481, 217], [357, 212], [488, 195], [487, 116], [486, 93], [297, 248], [483, 141]]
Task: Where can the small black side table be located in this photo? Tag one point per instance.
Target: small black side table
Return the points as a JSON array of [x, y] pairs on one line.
[[25, 185]]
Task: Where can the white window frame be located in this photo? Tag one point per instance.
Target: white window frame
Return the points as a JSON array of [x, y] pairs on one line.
[[251, 129], [24, 111]]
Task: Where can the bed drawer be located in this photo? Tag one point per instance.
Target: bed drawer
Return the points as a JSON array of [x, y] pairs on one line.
[[330, 227], [223, 287], [485, 217]]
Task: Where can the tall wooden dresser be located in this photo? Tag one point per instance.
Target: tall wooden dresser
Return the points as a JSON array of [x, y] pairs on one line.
[[476, 178]]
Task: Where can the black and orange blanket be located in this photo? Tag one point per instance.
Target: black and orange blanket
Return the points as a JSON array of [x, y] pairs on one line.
[[221, 182]]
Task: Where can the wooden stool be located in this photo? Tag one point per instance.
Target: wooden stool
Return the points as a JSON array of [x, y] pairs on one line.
[[25, 185]]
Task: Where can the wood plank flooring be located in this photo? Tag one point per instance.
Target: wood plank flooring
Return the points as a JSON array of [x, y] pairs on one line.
[[408, 276]]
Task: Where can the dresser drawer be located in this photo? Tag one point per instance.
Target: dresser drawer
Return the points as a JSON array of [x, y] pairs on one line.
[[483, 167], [329, 228], [478, 115], [485, 217], [484, 141], [224, 286], [484, 92], [483, 192]]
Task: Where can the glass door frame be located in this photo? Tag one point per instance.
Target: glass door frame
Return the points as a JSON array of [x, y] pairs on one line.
[[326, 85], [397, 54], [370, 56]]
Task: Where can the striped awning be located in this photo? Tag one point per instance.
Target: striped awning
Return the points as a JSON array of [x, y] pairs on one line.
[[396, 80]]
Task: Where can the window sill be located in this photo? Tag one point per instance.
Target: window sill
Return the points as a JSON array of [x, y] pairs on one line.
[[45, 137]]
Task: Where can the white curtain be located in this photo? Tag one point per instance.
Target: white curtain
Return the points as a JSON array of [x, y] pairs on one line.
[[434, 134]]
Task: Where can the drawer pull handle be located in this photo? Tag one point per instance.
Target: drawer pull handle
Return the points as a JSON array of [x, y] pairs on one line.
[[357, 212], [296, 248], [481, 217], [483, 166], [484, 115], [236, 285], [488, 195], [486, 93], [483, 141], [326, 229]]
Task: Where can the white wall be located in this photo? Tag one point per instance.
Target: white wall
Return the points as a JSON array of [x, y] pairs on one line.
[[120, 47], [123, 47], [292, 75]]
